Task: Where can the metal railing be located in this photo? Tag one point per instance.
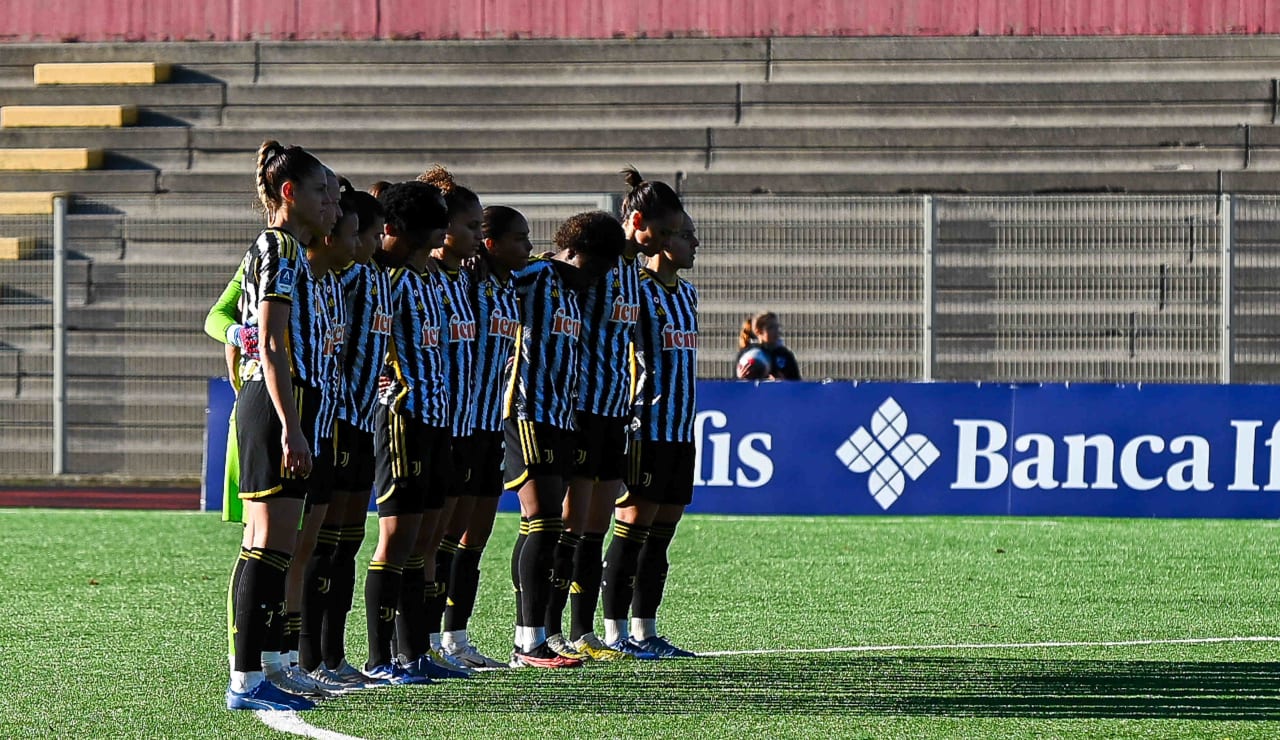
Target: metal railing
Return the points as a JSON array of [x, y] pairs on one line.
[[103, 362]]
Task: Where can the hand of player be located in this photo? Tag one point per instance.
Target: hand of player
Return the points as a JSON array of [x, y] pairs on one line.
[[744, 372], [296, 454]]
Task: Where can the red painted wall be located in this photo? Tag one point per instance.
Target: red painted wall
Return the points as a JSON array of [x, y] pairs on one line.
[[235, 20]]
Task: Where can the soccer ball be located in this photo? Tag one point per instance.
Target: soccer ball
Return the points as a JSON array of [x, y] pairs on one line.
[[754, 364]]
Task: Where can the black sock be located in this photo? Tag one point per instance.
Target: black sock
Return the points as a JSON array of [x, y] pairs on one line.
[[515, 567], [259, 605], [292, 629], [381, 594], [342, 586], [438, 598], [464, 584], [620, 563], [237, 574], [651, 576], [584, 591], [411, 640], [535, 568], [317, 585], [561, 574]]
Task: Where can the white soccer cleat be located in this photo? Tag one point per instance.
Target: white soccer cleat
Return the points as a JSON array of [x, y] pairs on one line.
[[467, 655]]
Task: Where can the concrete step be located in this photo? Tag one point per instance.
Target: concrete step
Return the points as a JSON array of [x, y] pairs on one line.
[[101, 73], [89, 181]]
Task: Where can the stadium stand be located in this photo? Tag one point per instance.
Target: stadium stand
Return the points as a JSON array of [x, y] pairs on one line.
[[156, 230]]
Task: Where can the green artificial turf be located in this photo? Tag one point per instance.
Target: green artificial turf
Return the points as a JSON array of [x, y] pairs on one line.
[[112, 625]]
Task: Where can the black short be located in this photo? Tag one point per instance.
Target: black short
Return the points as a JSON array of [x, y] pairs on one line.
[[601, 446], [320, 482], [353, 458], [258, 432], [413, 464], [661, 472], [482, 453], [535, 450]]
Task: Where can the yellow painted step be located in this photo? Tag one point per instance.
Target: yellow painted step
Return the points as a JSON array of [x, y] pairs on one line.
[[16, 247], [27, 204], [101, 73], [37, 160], [75, 116]]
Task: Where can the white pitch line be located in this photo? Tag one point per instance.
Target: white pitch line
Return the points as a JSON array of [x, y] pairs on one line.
[[989, 646], [292, 724]]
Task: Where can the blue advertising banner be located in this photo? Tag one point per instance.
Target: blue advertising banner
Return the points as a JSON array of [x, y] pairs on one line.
[[969, 449]]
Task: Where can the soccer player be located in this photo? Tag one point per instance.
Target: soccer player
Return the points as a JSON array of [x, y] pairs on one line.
[[276, 410], [325, 255], [661, 471], [411, 433], [506, 250], [368, 295], [542, 400], [342, 244], [651, 213], [452, 286]]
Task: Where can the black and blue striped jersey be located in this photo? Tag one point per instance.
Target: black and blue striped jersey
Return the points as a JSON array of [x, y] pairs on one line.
[[666, 360], [368, 296], [275, 269], [610, 309], [458, 330], [544, 376], [332, 390], [416, 357], [498, 324]]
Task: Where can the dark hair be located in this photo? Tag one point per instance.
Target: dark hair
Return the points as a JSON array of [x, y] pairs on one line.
[[414, 207], [498, 221], [456, 197], [594, 233], [365, 206], [278, 164], [376, 189], [651, 198]]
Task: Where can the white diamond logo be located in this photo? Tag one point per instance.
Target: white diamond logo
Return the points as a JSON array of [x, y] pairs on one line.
[[888, 453]]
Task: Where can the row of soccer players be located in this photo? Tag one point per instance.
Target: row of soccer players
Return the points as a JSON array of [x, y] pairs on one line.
[[409, 342]]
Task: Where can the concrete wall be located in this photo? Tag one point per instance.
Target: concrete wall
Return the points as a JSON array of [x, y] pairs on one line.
[[233, 20]]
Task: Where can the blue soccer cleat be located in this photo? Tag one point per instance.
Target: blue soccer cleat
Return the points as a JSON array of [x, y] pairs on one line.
[[660, 647], [266, 697], [630, 647], [393, 674]]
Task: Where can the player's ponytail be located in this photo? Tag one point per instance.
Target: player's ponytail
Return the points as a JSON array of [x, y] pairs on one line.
[[278, 164], [650, 198], [748, 335]]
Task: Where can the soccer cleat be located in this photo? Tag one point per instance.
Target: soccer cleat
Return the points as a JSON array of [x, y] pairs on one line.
[[423, 665], [662, 648], [542, 657], [331, 682], [352, 676], [395, 675], [267, 697], [564, 648], [294, 681], [466, 654], [626, 645], [595, 649], [440, 658]]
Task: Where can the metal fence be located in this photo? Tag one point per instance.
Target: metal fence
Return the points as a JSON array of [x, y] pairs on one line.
[[1069, 288]]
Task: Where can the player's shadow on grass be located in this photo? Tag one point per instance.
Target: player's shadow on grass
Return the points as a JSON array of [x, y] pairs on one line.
[[1073, 689], [850, 684]]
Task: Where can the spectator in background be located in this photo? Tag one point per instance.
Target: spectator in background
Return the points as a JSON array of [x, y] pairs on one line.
[[761, 354]]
